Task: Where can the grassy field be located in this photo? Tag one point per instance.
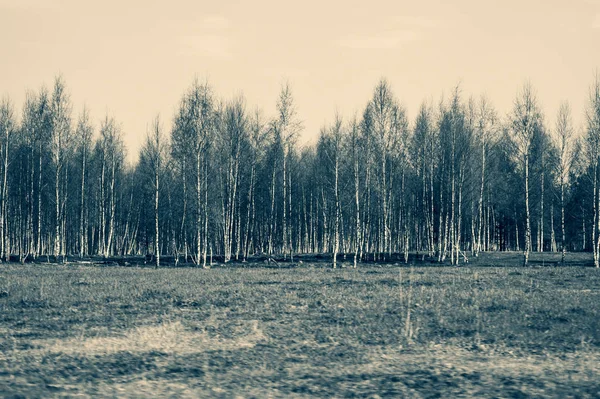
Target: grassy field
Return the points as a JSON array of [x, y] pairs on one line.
[[377, 331]]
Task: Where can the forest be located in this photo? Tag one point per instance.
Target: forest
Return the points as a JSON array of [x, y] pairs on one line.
[[222, 179]]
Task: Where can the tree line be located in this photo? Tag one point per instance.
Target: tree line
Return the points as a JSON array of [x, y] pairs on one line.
[[220, 179]]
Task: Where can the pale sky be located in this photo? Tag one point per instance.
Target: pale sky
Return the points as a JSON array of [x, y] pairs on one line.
[[134, 59]]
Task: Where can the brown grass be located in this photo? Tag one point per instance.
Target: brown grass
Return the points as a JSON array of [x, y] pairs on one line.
[[476, 331]]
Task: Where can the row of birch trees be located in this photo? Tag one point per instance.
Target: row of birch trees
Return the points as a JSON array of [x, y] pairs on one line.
[[222, 180]]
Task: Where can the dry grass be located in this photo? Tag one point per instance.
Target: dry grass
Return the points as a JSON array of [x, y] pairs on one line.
[[167, 338], [308, 331]]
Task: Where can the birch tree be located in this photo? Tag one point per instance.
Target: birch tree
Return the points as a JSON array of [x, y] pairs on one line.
[[83, 133], [525, 118], [42, 132], [61, 125], [332, 142], [368, 144], [153, 158], [7, 128], [564, 143], [257, 138], [593, 149], [182, 145], [202, 118], [486, 121], [355, 150], [384, 109], [112, 157], [421, 156], [288, 126], [29, 128], [233, 141]]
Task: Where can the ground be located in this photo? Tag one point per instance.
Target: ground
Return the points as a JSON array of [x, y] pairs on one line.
[[487, 329]]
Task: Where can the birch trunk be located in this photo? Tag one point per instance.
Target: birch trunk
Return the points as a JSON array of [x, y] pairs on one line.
[[82, 246], [358, 237], [284, 220], [205, 235], [199, 209], [595, 216], [527, 215], [4, 192], [336, 240], [562, 221], [249, 214], [272, 215], [541, 230], [156, 225], [480, 202], [108, 251], [552, 234], [182, 228], [39, 204]]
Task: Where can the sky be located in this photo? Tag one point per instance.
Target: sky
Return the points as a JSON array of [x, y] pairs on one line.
[[134, 59]]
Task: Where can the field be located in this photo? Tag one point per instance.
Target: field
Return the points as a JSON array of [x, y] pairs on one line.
[[488, 329]]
